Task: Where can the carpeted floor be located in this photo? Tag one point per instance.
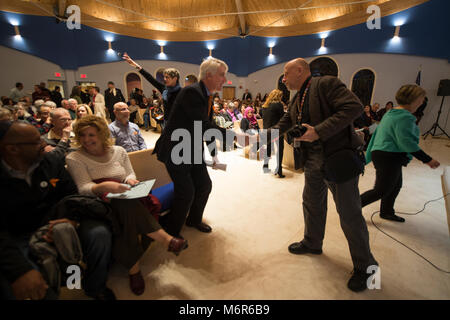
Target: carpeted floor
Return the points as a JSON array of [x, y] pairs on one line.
[[255, 217]]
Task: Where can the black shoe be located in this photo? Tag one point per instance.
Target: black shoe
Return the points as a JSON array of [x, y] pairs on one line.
[[392, 217], [202, 227], [106, 295], [300, 248], [280, 175], [358, 281]]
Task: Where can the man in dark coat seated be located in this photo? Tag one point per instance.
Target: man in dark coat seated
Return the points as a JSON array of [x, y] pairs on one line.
[[32, 182]]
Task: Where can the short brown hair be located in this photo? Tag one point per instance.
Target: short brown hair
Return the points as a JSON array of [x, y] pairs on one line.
[[95, 122], [408, 93], [173, 73]]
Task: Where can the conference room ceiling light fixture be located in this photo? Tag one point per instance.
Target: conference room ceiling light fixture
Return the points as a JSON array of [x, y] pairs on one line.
[[397, 33], [210, 47], [15, 24]]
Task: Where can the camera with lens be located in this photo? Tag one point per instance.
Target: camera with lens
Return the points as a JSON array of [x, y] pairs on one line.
[[296, 132]]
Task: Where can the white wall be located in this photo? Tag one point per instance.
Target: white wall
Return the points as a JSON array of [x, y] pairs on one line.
[[391, 72], [17, 66]]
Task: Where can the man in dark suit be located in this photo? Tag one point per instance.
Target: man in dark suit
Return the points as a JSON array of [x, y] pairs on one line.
[[327, 109], [247, 95], [112, 96], [191, 116]]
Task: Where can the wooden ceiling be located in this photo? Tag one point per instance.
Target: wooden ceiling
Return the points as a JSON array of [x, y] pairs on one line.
[[195, 20]]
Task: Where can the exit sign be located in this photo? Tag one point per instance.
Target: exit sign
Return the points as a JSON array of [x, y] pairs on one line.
[[83, 76], [230, 82], [58, 74]]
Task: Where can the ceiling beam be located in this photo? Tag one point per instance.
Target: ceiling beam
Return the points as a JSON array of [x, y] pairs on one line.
[[241, 17], [62, 8]]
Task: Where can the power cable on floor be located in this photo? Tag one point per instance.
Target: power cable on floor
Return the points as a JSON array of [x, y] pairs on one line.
[[411, 214]]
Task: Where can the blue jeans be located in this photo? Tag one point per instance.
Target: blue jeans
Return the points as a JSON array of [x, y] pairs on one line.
[[96, 242], [146, 120]]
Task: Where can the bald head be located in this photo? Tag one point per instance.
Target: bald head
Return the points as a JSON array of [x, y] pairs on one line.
[[60, 119], [21, 146], [296, 72]]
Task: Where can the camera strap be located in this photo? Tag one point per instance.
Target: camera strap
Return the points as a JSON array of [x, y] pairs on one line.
[[302, 102]]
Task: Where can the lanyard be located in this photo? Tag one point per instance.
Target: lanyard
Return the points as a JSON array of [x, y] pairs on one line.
[[300, 106]]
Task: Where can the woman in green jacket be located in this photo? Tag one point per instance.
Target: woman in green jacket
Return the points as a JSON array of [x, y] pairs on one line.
[[393, 144]]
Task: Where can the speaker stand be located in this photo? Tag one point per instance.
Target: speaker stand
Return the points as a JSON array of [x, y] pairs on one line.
[[436, 125]]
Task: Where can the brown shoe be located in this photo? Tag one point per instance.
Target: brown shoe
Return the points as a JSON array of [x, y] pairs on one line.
[[176, 245], [137, 283]]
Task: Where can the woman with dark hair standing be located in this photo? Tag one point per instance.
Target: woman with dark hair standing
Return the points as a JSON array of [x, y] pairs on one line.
[[272, 112], [76, 94], [394, 142], [169, 89]]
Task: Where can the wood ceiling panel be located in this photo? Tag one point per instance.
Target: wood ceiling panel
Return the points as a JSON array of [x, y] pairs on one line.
[[167, 19]]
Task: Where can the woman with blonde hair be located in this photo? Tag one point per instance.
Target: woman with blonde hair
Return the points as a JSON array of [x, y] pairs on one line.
[[393, 144], [82, 111], [98, 167], [273, 111]]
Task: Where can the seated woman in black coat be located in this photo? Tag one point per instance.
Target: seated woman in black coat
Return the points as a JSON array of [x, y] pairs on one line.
[[273, 111]]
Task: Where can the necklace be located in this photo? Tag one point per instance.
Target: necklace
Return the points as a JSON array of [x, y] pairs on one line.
[[300, 106]]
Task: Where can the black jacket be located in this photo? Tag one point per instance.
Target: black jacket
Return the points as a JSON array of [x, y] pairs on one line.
[[272, 114], [168, 104], [25, 208], [190, 105], [111, 99]]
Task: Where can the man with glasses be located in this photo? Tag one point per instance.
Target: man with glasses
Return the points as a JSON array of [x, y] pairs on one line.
[[59, 134], [32, 182]]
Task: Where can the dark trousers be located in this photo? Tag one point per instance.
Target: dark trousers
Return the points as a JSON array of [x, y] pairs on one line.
[[192, 187], [348, 205], [388, 181], [96, 242]]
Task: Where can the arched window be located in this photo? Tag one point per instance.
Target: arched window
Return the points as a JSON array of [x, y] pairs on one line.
[[323, 66], [362, 85], [282, 87], [133, 81]]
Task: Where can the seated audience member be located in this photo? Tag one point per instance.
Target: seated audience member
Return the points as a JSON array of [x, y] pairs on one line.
[[99, 167], [14, 111], [32, 183], [42, 121], [236, 111], [22, 114], [190, 79], [72, 108], [374, 111], [5, 114], [382, 112], [51, 104], [40, 94], [126, 133], [249, 123], [82, 111], [133, 108], [228, 112], [219, 119], [157, 113], [7, 101], [60, 132], [38, 103], [28, 105], [17, 93]]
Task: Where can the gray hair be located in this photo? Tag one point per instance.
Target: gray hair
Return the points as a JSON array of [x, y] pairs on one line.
[[71, 100], [39, 103], [211, 65], [58, 111], [50, 104]]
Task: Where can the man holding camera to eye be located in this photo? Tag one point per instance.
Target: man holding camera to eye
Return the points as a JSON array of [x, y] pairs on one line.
[[320, 117]]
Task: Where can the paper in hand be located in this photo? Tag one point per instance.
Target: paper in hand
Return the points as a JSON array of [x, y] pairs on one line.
[[140, 190], [220, 166]]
